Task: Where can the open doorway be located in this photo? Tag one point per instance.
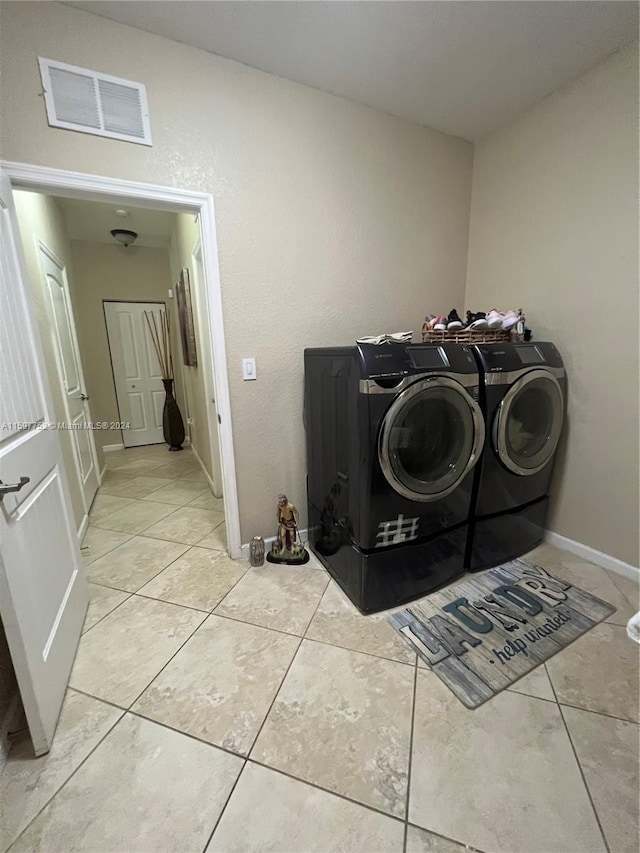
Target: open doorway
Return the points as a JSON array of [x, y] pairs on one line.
[[49, 341], [177, 233]]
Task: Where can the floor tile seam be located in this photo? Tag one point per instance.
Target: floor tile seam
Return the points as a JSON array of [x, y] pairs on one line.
[[585, 783], [97, 698], [165, 503], [128, 594], [465, 846], [357, 651], [167, 662], [614, 577], [120, 499], [530, 695], [600, 714], [129, 535], [315, 609], [149, 497], [577, 760], [141, 532], [190, 735], [145, 532], [215, 527], [410, 761], [224, 808], [255, 625], [324, 790], [136, 591], [75, 770], [282, 681], [214, 612], [275, 697], [139, 594]]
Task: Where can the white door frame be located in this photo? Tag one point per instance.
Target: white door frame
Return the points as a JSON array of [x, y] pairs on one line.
[[41, 246], [97, 188]]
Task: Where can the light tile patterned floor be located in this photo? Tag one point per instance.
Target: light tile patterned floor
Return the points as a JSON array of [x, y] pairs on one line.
[[213, 707]]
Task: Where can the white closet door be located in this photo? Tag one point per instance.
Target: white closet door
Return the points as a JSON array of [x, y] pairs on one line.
[[136, 371]]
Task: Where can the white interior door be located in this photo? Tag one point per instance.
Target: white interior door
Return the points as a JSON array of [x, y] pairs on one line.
[[70, 370], [43, 595], [136, 371], [204, 335]]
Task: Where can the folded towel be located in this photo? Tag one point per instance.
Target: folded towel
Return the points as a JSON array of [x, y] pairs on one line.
[[392, 338]]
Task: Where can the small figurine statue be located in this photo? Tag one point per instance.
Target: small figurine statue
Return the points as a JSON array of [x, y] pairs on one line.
[[287, 547], [256, 551]]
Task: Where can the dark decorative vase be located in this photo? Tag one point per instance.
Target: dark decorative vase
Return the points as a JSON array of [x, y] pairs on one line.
[[172, 423]]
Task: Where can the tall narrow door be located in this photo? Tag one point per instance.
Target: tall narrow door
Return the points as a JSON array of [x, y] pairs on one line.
[[136, 371], [74, 392], [43, 594]]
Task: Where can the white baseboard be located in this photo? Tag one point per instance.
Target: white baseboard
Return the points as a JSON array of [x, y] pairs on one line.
[[244, 549], [606, 561], [83, 527], [111, 448]]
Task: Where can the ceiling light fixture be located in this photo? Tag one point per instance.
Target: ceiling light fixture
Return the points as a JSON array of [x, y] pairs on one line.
[[123, 236]]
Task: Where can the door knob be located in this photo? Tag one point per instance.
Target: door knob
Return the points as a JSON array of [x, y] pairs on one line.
[[6, 489], [84, 396]]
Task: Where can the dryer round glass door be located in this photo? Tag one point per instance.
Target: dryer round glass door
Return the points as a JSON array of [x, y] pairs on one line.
[[430, 439], [528, 422]]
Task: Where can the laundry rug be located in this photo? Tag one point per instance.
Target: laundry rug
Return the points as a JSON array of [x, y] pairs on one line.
[[485, 632]]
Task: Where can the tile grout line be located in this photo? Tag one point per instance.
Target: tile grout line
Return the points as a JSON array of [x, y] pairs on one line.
[[599, 713], [75, 770], [317, 787], [247, 760], [224, 807], [284, 677], [409, 764], [135, 592], [255, 739], [98, 698], [579, 765], [462, 844], [357, 651], [209, 613], [164, 666], [85, 566], [102, 618]]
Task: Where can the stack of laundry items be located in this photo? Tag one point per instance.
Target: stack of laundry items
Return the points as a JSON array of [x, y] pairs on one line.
[[389, 337]]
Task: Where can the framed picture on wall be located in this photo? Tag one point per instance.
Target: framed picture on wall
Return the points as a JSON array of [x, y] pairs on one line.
[[185, 319]]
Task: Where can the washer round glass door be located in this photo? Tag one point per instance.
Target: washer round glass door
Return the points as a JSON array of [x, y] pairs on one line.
[[430, 438], [528, 423]]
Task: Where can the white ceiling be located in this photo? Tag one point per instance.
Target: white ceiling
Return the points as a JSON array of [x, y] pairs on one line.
[[464, 68], [92, 221]]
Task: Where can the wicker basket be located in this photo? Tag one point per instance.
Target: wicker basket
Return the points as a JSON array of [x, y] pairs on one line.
[[469, 336]]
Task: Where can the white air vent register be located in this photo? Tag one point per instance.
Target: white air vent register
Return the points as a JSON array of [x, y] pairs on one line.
[[91, 102]]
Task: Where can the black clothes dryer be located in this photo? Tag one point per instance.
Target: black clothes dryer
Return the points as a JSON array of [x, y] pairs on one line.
[[393, 434], [523, 401]]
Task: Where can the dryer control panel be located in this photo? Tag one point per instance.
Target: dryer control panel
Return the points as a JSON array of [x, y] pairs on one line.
[[391, 359], [507, 357]]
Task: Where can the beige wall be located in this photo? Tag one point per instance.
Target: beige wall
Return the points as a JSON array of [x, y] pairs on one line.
[[105, 271], [333, 220], [40, 218], [554, 229], [197, 381]]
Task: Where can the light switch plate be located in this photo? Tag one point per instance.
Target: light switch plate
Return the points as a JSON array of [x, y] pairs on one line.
[[249, 368]]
